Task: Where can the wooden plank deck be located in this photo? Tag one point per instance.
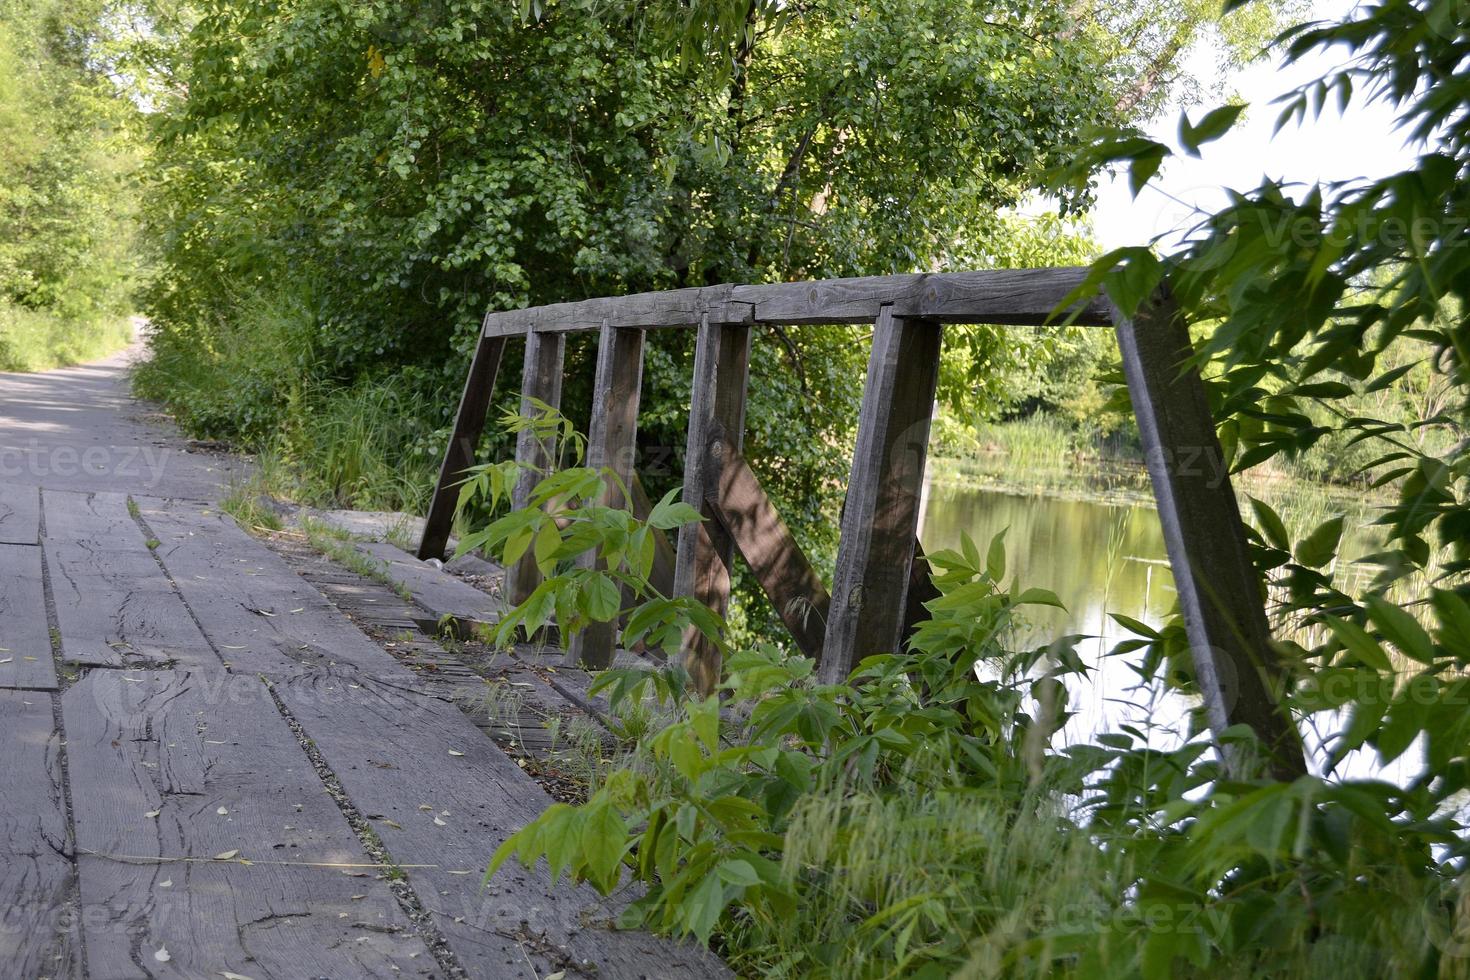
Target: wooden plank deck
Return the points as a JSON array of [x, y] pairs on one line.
[[420, 763], [20, 514], [444, 599], [260, 616], [205, 832], [208, 769], [114, 605], [37, 933], [25, 641], [231, 778]]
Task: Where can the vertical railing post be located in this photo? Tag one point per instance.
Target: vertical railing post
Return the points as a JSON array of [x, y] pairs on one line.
[[880, 519], [459, 455], [611, 443], [540, 380], [716, 426], [1219, 590]]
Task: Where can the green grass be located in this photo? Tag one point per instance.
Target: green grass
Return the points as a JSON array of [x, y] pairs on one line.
[[31, 340], [337, 545], [246, 503]]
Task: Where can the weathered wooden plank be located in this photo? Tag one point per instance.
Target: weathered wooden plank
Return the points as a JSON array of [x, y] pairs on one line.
[[396, 752], [20, 514], [1024, 297], [668, 308], [768, 547], [1004, 296], [114, 606], [880, 519], [258, 612], [1219, 590], [459, 455], [611, 444], [25, 638], [716, 425], [173, 769], [96, 521], [540, 381], [442, 599], [37, 930]]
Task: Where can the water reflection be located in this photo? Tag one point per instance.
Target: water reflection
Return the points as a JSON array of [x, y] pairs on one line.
[[1098, 558], [1109, 557]]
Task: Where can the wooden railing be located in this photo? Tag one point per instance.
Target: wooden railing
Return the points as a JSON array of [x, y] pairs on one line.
[[880, 580]]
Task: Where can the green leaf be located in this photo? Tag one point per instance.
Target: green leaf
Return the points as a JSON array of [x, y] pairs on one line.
[[1038, 597], [1144, 166], [670, 513], [705, 717], [1320, 547], [1401, 629], [1134, 626], [604, 837], [1357, 642], [516, 546], [601, 598], [548, 540], [1216, 123], [1133, 278], [702, 907], [995, 558], [1271, 524], [737, 872]]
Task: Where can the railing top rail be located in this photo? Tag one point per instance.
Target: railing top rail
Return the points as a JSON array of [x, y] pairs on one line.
[[1023, 297]]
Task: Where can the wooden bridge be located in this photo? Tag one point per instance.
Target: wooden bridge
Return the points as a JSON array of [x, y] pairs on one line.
[[880, 581], [212, 768]]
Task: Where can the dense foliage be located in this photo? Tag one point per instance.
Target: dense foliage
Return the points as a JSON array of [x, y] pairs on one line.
[[67, 264], [920, 819], [340, 191]]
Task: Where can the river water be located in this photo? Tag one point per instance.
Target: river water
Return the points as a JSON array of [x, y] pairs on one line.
[[1099, 558]]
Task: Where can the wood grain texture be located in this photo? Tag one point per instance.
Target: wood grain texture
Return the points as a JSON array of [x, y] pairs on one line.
[[791, 583], [114, 606], [1023, 297], [441, 598], [392, 756], [258, 612], [1219, 590], [156, 757], [540, 380], [25, 637], [459, 455], [37, 930], [716, 425], [880, 519], [20, 514], [611, 444], [668, 308]]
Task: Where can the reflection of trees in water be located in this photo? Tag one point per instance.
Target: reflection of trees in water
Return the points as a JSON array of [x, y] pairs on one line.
[[1102, 557]]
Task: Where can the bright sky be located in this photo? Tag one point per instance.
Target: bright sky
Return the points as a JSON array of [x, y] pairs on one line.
[[1358, 143]]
